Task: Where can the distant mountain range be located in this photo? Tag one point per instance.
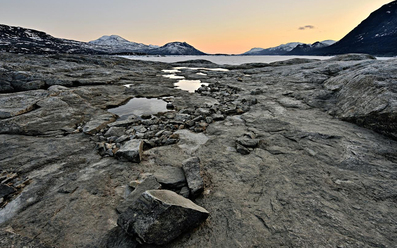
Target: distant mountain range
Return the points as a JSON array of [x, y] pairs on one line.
[[285, 49], [376, 35], [23, 40]]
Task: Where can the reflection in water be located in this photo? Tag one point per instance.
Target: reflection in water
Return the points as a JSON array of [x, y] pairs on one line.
[[173, 76], [189, 85], [204, 69], [139, 106]]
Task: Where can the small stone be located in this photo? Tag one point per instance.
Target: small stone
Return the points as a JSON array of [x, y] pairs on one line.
[[170, 177], [131, 151], [203, 111], [195, 182], [218, 117], [159, 216], [146, 116], [122, 138], [182, 117], [209, 120], [242, 150], [185, 192], [190, 123], [170, 106], [251, 143], [115, 131]]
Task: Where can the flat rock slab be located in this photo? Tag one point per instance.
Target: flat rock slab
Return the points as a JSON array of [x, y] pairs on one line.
[[159, 216], [171, 177], [15, 104], [195, 182], [131, 151]]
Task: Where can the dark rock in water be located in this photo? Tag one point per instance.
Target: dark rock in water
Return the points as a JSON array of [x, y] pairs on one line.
[[131, 151], [149, 183], [195, 182], [170, 106], [170, 177], [159, 216], [146, 116], [117, 238]]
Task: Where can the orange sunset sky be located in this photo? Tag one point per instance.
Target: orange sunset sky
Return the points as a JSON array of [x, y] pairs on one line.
[[223, 26]]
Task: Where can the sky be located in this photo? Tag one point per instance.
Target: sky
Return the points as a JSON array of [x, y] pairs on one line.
[[212, 26]]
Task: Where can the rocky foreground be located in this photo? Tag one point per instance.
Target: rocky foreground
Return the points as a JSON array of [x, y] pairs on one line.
[[300, 153]]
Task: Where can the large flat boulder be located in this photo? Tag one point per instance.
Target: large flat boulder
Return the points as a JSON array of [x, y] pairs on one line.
[[159, 216]]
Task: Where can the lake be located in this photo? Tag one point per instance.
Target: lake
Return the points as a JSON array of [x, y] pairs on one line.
[[228, 60]]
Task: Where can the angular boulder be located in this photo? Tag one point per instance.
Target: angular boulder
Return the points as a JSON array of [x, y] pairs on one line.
[[195, 182], [131, 151], [159, 216]]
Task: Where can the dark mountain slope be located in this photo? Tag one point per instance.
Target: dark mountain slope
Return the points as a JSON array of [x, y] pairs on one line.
[[376, 35]]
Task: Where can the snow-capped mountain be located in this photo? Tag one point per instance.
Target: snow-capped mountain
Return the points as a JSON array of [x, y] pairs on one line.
[[304, 49], [376, 35], [23, 40], [117, 44], [278, 50], [175, 48]]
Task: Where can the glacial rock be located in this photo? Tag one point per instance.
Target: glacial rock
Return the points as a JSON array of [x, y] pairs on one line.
[[131, 151], [195, 182], [159, 216]]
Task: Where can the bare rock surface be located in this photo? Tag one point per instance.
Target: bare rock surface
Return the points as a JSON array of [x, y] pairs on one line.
[[319, 142]]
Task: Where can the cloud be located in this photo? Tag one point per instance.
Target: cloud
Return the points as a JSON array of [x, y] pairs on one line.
[[306, 27]]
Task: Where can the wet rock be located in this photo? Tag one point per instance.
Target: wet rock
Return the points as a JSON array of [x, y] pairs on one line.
[[131, 151], [149, 183], [115, 131], [170, 106], [159, 216], [191, 168], [170, 177]]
